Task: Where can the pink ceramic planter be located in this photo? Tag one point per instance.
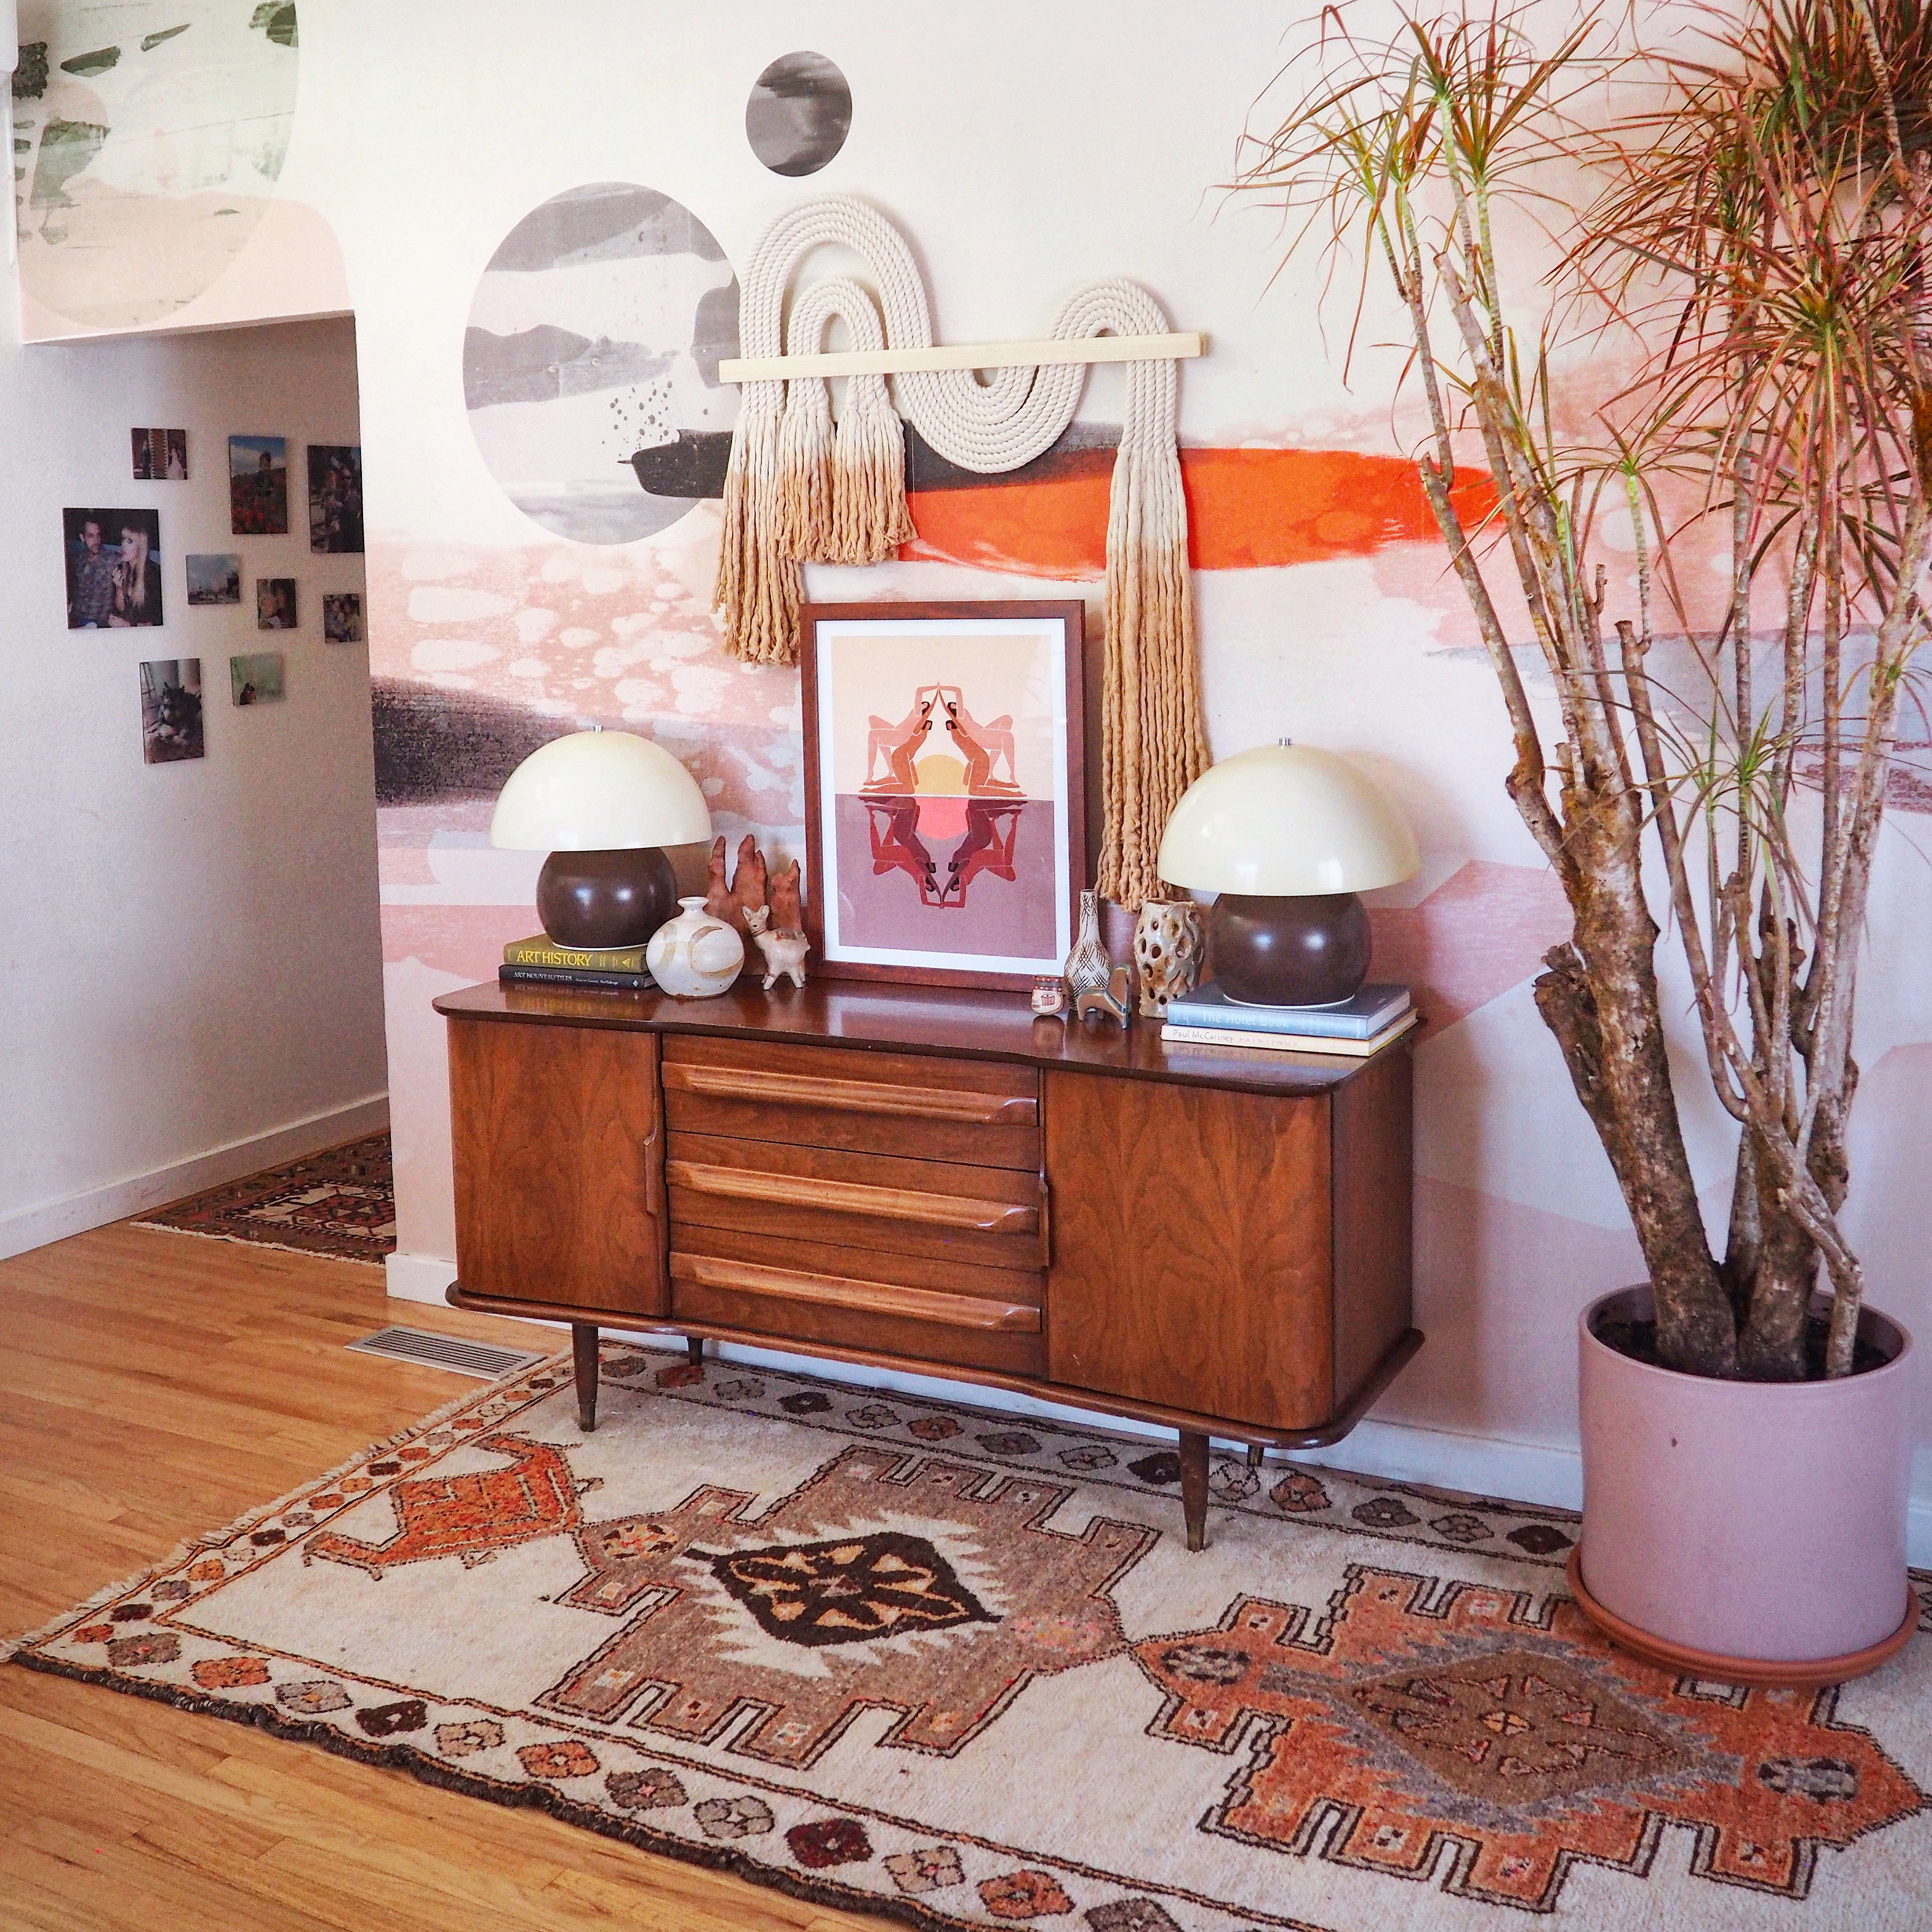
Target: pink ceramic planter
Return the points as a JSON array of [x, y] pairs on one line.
[[1754, 1531]]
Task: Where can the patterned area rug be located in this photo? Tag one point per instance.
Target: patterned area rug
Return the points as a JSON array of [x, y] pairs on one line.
[[341, 1202], [904, 1656]]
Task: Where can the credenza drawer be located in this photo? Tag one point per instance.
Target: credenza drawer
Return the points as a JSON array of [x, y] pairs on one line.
[[814, 1292], [979, 1113], [934, 1210]]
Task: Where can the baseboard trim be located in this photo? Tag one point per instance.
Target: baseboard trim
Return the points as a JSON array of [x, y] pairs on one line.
[[418, 1277], [1403, 1452], [45, 1221]]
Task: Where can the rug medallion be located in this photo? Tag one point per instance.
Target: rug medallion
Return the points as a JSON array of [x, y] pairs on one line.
[[908, 1656]]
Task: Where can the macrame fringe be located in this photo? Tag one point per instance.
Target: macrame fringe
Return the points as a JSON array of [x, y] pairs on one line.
[[800, 489], [757, 590], [804, 527], [870, 519]]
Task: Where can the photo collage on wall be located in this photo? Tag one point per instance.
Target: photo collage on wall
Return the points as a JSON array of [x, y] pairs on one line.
[[117, 571]]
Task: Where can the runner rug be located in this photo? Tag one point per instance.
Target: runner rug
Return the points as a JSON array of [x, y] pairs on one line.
[[341, 1202], [899, 1655]]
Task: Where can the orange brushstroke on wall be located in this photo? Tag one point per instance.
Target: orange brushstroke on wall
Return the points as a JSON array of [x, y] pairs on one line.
[[1247, 509]]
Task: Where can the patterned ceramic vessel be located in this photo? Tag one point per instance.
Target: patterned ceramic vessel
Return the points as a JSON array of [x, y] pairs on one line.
[[1049, 998], [1089, 966], [1167, 939], [695, 956]]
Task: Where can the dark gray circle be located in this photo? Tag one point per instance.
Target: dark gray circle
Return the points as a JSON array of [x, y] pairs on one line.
[[798, 113]]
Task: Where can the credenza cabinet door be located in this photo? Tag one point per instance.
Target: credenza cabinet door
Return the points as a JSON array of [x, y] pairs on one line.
[[1192, 1248], [558, 1140]]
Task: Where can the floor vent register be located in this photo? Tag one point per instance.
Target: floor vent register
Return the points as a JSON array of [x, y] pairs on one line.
[[445, 1352]]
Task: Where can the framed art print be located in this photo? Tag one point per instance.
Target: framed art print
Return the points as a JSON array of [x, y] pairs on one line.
[[946, 825]]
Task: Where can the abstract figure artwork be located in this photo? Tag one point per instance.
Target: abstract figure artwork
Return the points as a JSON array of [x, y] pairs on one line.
[[944, 815]]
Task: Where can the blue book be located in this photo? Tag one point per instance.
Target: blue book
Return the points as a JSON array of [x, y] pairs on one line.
[[1362, 1018]]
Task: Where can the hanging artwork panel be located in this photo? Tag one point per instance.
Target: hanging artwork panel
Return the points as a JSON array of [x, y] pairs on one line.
[[945, 805]]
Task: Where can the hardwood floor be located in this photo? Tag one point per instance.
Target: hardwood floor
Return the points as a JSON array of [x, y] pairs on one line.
[[152, 1385]]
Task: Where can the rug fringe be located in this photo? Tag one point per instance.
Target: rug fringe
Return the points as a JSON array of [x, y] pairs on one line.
[[208, 1539], [251, 1241]]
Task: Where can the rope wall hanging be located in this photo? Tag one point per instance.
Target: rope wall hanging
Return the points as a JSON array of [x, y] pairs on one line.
[[801, 489]]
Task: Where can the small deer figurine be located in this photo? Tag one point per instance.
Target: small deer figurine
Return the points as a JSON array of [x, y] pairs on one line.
[[783, 944]]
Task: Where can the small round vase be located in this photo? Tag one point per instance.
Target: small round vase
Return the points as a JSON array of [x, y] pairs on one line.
[[695, 957], [1167, 952]]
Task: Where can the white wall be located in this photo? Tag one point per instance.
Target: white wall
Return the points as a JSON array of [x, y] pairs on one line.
[[190, 977]]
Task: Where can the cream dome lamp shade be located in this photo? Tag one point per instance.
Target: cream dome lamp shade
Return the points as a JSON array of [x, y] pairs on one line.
[[1287, 834], [603, 805]]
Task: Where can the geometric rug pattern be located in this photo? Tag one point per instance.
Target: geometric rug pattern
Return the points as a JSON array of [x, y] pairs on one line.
[[910, 1657], [341, 1202]]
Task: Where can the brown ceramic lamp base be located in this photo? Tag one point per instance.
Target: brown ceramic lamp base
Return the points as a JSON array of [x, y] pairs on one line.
[[1810, 1675], [1310, 951], [602, 899]]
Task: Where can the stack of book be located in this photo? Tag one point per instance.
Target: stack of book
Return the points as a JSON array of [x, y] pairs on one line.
[[539, 960], [1358, 1027]]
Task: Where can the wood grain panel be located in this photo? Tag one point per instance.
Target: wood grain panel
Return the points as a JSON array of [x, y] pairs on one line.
[[856, 1200], [1191, 1248], [960, 1025], [947, 1275], [908, 1341], [558, 1146], [876, 1297], [913, 1105], [1374, 1190]]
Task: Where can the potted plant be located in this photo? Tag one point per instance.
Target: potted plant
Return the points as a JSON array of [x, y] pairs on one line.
[[1747, 242]]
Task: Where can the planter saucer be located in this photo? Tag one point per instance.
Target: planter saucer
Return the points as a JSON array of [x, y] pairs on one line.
[[1754, 1671]]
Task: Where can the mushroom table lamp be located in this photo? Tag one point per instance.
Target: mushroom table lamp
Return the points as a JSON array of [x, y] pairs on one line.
[[604, 804], [1288, 835]]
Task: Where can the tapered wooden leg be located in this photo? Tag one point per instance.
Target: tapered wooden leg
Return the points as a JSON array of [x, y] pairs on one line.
[[694, 1347], [1255, 1452], [1194, 1488], [584, 1361]]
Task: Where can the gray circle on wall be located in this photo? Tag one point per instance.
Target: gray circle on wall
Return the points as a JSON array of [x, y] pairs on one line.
[[799, 114], [596, 332]]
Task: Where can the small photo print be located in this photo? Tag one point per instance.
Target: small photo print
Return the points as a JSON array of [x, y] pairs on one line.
[[334, 498], [256, 678], [171, 710], [160, 455], [214, 580], [274, 603], [258, 485], [113, 568], [342, 617]]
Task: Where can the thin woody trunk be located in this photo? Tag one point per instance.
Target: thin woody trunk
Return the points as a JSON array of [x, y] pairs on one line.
[[1600, 999]]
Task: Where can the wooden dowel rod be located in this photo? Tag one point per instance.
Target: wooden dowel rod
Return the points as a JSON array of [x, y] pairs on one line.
[[965, 356]]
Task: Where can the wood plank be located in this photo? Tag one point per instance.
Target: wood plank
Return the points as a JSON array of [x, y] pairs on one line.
[[1177, 345], [1191, 1248], [587, 1228], [877, 1298], [116, 1812]]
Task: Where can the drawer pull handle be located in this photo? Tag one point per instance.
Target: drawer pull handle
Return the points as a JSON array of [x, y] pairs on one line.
[[854, 1096], [872, 1297], [852, 1197]]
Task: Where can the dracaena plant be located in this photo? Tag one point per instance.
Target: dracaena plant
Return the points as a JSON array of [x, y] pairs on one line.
[[1754, 217]]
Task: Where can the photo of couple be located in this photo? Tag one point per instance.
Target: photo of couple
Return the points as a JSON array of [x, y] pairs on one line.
[[113, 568]]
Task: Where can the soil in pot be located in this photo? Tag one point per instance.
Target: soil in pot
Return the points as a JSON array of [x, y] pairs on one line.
[[1637, 1340]]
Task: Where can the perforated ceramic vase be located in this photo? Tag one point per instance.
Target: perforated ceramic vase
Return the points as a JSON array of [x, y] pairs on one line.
[[1167, 939], [696, 956]]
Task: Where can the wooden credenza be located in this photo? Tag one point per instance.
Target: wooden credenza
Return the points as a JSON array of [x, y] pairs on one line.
[[1213, 1239]]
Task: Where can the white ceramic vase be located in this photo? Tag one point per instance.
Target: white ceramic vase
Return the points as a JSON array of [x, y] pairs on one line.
[[695, 956]]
